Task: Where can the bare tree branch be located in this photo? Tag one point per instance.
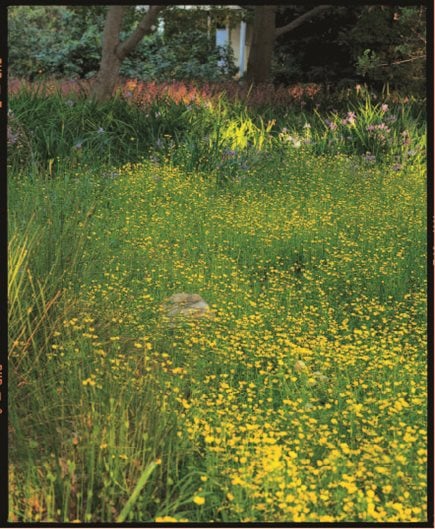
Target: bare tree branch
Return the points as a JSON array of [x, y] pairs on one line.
[[404, 60], [298, 21], [143, 28]]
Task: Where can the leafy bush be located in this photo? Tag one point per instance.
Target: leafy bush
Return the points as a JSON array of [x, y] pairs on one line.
[[377, 44], [57, 41], [184, 56], [388, 45], [50, 41]]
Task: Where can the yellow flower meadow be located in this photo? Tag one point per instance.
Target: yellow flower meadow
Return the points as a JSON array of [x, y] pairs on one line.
[[302, 400]]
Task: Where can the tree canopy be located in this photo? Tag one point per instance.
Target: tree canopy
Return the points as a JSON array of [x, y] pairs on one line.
[[334, 44]]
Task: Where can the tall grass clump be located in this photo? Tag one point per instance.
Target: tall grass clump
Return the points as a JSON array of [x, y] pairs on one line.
[[45, 129], [90, 450], [47, 231]]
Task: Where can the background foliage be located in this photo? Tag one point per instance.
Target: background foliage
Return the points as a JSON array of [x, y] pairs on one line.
[[376, 44], [343, 45], [60, 41]]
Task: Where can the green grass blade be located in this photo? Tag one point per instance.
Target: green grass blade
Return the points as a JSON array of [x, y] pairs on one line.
[[140, 485]]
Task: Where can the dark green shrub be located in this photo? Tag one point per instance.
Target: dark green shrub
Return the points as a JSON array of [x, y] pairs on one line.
[[65, 42], [52, 41], [182, 57]]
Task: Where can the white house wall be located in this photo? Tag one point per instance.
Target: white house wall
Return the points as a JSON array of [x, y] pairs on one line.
[[235, 44], [228, 35]]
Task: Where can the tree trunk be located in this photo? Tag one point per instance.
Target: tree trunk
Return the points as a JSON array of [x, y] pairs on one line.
[[114, 52], [110, 62], [263, 40]]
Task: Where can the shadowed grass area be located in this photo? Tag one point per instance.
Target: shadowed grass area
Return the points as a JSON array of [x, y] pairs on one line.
[[303, 399]]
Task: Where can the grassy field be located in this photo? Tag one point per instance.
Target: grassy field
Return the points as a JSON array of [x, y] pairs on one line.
[[302, 399]]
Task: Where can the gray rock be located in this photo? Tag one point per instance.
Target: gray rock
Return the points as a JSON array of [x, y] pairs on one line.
[[184, 306]]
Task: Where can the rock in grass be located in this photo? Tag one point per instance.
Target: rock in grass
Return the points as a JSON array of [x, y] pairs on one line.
[[185, 306], [300, 366]]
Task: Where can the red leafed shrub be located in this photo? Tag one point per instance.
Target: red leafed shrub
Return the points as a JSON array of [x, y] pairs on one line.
[[145, 93], [257, 96]]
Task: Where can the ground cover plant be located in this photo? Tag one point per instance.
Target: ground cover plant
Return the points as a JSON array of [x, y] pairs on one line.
[[302, 398]]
